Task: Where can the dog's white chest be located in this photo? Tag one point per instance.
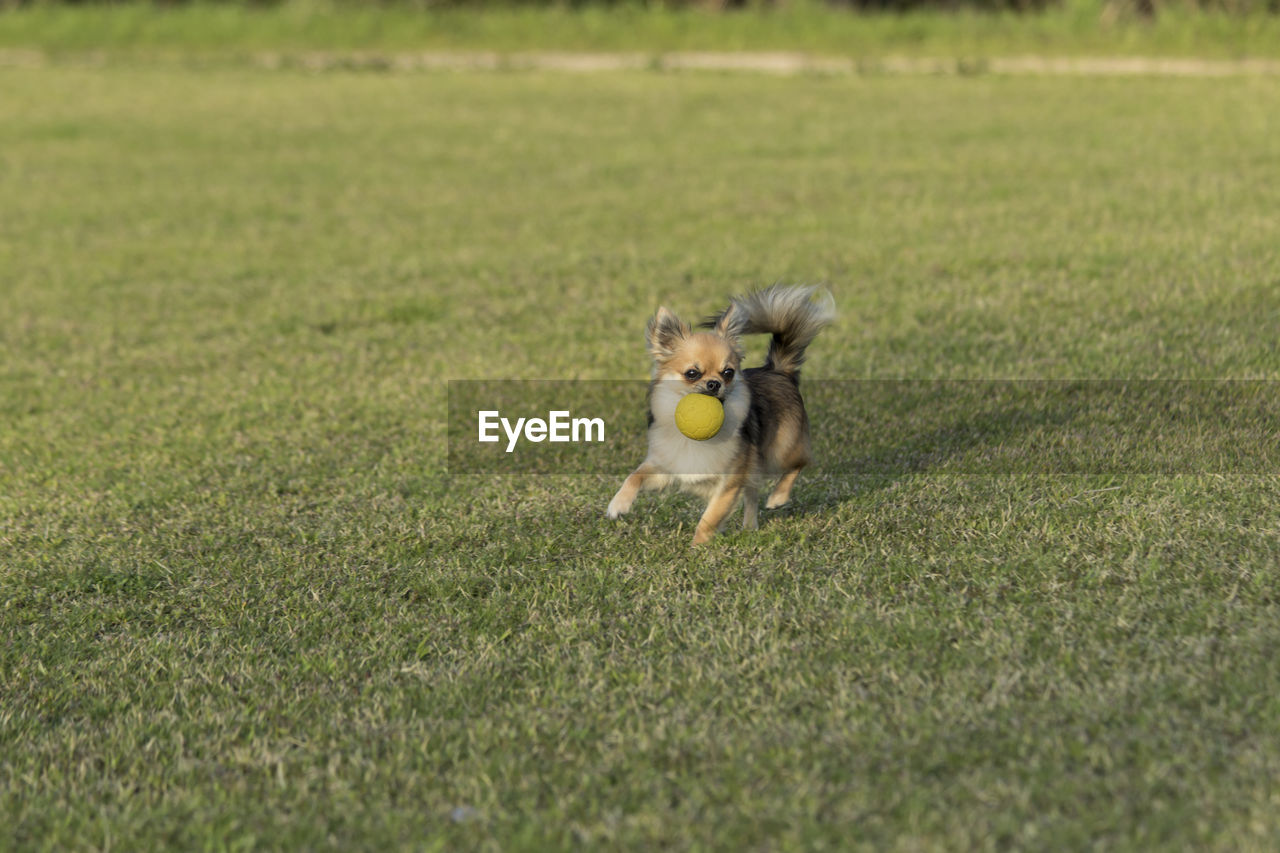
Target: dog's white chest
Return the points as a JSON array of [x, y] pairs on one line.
[[676, 454]]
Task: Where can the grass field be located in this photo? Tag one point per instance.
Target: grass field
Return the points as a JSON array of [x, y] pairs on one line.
[[244, 605]]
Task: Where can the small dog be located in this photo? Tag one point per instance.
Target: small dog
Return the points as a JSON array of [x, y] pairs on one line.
[[765, 431]]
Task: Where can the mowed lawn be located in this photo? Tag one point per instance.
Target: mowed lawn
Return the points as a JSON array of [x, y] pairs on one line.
[[243, 604]]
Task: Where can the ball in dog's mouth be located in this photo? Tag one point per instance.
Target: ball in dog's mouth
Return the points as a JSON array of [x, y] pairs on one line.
[[699, 416]]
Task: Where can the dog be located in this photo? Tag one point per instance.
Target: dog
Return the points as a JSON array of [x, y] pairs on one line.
[[765, 431]]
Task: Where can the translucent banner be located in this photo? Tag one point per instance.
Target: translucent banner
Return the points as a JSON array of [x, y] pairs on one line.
[[893, 427]]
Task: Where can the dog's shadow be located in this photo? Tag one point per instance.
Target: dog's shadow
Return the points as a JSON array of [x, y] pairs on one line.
[[869, 435]]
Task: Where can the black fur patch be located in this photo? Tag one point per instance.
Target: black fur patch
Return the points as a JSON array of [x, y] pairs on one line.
[[775, 400]]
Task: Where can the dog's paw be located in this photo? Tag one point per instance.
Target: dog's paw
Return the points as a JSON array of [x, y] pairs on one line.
[[778, 498], [618, 507]]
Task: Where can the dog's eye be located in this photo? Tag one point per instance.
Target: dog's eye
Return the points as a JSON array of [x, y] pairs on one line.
[[691, 374], [727, 373]]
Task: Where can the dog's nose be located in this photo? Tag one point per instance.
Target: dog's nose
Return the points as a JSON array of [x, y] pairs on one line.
[[713, 385]]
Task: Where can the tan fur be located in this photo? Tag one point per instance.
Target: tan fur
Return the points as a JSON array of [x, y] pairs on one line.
[[703, 351], [782, 492], [723, 501]]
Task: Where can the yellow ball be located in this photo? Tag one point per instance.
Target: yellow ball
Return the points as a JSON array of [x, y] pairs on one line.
[[699, 416]]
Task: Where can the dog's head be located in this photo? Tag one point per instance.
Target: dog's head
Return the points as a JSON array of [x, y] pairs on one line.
[[705, 362]]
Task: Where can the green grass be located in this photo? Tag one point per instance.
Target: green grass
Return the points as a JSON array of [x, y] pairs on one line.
[[243, 605], [1089, 27]]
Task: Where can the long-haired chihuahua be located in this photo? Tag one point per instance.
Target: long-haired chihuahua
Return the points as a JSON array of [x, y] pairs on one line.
[[765, 432]]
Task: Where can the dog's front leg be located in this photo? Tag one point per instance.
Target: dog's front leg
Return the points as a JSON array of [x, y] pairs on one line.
[[720, 505], [751, 506], [621, 503]]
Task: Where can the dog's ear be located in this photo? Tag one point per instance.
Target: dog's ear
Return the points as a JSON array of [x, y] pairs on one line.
[[730, 324], [664, 334]]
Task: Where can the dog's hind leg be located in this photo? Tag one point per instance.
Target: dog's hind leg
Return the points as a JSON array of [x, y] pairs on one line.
[[782, 492]]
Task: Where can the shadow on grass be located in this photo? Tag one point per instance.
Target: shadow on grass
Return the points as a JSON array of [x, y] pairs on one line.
[[869, 434]]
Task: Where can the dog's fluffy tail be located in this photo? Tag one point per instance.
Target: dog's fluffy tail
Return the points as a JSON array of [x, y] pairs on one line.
[[790, 314]]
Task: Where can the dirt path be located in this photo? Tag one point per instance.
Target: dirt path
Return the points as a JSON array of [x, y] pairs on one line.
[[750, 62], [782, 63]]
